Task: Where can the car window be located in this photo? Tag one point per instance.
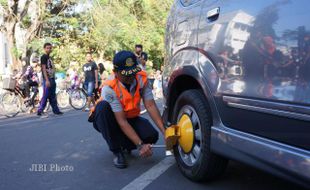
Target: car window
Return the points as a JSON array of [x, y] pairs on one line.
[[187, 3]]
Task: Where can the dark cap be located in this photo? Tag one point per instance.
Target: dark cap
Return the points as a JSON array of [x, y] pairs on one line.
[[126, 63]]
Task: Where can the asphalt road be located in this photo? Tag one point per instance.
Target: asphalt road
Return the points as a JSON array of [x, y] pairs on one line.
[[69, 143]]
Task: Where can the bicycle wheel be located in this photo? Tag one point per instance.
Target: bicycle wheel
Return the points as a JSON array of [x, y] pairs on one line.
[[63, 99], [11, 104], [26, 106], [1, 106], [23, 107], [78, 99]]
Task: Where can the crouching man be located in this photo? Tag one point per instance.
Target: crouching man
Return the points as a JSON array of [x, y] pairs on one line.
[[116, 115]]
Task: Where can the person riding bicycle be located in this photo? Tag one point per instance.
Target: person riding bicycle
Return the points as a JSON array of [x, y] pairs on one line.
[[32, 80]]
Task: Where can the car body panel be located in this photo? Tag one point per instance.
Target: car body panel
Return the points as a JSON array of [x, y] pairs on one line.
[[261, 54], [252, 61]]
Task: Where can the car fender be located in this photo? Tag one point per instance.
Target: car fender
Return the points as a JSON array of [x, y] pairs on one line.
[[194, 63]]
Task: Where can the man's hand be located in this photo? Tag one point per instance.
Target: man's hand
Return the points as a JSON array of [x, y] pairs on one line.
[[47, 83], [96, 85], [146, 151]]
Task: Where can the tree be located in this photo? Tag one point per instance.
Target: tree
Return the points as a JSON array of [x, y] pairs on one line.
[[21, 21], [64, 26], [103, 27], [24, 21], [122, 24]]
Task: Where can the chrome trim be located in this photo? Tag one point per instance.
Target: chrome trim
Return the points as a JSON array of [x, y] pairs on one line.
[[279, 109], [213, 12], [280, 159]]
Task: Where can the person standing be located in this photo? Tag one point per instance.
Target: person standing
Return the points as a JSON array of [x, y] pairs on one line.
[[141, 56], [49, 84], [91, 79], [101, 70]]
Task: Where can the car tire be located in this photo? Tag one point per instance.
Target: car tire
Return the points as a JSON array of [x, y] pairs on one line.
[[207, 166]]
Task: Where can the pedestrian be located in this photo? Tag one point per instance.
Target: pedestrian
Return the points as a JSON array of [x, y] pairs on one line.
[[91, 79], [101, 70], [142, 57], [116, 116], [49, 84]]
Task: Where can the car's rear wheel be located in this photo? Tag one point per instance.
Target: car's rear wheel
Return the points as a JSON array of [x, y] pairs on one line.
[[192, 153]]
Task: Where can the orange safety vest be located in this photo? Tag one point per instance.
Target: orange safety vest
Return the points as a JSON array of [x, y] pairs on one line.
[[130, 104]]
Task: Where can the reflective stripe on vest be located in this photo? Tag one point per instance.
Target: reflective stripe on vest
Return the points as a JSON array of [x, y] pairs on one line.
[[130, 104]]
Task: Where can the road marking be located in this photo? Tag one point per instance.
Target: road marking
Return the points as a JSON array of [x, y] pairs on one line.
[[149, 176]]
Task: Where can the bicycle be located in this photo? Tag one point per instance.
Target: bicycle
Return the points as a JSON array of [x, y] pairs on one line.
[[63, 95], [72, 95], [80, 94], [14, 99]]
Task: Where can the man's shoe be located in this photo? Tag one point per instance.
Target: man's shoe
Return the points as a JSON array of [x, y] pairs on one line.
[[119, 160], [59, 113], [42, 115]]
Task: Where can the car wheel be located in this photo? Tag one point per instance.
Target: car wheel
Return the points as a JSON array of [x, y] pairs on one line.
[[192, 152]]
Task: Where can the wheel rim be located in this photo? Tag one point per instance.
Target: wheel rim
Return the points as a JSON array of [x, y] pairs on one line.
[[77, 99], [63, 99], [10, 104], [191, 157]]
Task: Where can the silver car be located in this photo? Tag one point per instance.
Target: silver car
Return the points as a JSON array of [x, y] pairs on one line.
[[237, 78]]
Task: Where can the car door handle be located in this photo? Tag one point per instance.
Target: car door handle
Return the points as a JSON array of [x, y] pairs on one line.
[[213, 14]]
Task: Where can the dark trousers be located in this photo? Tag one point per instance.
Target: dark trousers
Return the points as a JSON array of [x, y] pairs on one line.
[[28, 86], [49, 94], [106, 124]]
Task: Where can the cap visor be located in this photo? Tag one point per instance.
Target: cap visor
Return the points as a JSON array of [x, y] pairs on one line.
[[131, 71]]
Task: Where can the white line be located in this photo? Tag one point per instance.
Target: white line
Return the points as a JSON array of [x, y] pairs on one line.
[[149, 176]]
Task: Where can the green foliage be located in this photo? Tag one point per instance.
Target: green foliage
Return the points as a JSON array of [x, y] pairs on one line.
[[108, 26], [26, 22], [122, 24], [15, 52], [3, 3]]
